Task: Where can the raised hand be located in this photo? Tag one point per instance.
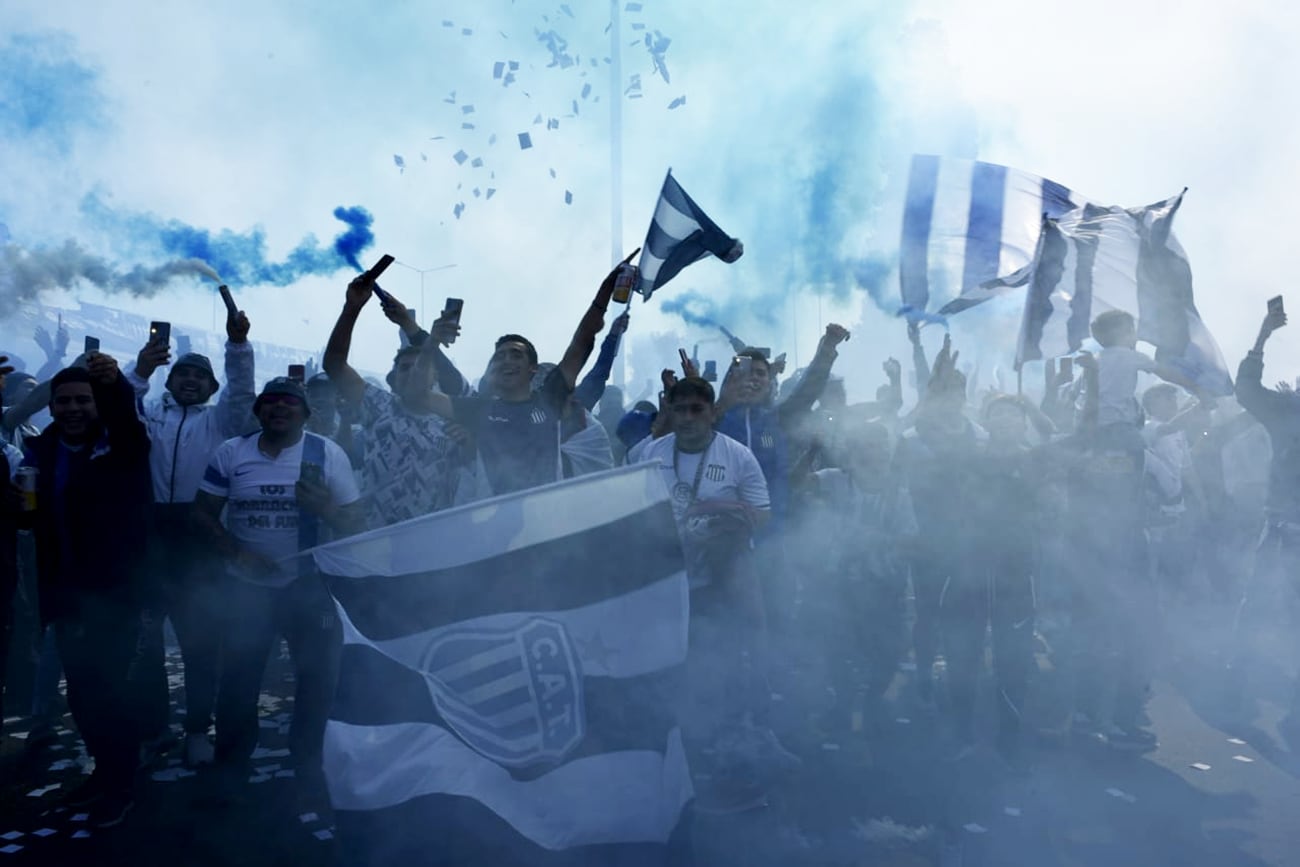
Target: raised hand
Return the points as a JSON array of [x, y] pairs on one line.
[[103, 368], [237, 327], [154, 355]]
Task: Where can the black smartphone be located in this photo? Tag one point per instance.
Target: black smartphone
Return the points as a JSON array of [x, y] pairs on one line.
[[1275, 305], [160, 332], [298, 372], [710, 371], [229, 300], [1067, 369], [451, 310], [765, 351], [312, 474], [92, 345]]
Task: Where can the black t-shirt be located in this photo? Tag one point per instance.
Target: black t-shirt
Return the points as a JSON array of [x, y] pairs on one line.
[[518, 442]]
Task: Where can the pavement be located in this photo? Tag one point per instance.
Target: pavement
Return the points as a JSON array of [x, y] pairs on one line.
[[1222, 788]]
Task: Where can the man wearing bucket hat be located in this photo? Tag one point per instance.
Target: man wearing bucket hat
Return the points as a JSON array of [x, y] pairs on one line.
[[185, 430], [280, 489]]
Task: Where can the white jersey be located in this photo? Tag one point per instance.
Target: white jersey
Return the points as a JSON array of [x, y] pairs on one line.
[[731, 473], [261, 502]]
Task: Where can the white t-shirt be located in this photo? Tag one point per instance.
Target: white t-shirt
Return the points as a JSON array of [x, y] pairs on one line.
[[261, 503], [731, 473], [1117, 379]]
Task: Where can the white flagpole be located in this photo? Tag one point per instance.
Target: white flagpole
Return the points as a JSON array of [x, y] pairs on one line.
[[616, 161]]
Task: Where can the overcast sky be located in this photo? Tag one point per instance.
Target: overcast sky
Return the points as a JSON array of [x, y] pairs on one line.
[[795, 133]]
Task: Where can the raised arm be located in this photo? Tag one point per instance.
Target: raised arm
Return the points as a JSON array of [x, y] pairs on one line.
[[814, 378], [584, 338], [592, 387], [235, 406], [348, 382], [115, 400], [1262, 403], [919, 363]]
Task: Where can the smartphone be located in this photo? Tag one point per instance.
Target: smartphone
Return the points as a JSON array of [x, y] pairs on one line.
[[312, 474], [765, 351], [298, 372], [380, 267], [710, 371], [1275, 305], [231, 309], [160, 332], [685, 359], [1067, 369], [92, 345], [451, 310]]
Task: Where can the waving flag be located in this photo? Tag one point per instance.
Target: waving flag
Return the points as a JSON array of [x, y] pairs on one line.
[[680, 234], [1095, 259], [968, 223], [507, 681]]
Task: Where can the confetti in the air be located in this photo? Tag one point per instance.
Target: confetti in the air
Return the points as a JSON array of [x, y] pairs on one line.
[[460, 157], [525, 141]]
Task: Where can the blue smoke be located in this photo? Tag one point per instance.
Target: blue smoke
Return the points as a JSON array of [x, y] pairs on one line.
[[239, 257], [46, 96]]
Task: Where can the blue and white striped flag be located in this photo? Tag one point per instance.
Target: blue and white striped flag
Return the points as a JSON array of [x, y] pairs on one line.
[[968, 223], [680, 234], [507, 682], [1095, 259]]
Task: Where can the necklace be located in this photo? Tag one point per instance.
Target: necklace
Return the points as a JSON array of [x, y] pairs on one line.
[[683, 494]]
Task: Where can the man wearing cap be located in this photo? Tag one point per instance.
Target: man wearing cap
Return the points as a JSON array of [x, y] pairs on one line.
[[281, 489], [185, 431]]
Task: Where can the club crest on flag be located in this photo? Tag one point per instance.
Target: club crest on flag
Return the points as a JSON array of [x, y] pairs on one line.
[[514, 696]]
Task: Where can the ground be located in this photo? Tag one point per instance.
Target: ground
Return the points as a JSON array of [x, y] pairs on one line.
[[1222, 788]]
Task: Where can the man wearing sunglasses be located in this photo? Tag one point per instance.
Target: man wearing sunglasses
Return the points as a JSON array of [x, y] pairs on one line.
[[282, 488]]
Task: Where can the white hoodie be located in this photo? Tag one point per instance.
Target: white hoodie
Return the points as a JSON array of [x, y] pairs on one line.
[[185, 437]]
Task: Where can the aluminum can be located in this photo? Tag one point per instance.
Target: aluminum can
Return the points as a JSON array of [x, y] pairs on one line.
[[26, 480]]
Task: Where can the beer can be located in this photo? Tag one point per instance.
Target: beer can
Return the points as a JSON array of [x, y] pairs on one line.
[[624, 281], [26, 479]]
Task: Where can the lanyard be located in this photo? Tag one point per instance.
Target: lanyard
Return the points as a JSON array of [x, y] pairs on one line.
[[699, 471]]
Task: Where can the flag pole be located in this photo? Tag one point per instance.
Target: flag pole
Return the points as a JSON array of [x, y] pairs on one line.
[[616, 165]]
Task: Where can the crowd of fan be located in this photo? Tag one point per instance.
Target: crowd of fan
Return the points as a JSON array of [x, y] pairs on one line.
[[876, 538]]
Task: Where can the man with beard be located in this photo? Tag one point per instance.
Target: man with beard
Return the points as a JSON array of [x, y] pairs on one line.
[[92, 466], [410, 464], [185, 431]]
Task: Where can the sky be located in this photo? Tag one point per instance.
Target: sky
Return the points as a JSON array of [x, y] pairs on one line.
[[137, 131]]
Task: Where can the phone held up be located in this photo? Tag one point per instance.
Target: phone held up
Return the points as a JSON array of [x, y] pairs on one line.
[[452, 309], [92, 345], [160, 332], [298, 373], [1275, 306], [313, 474]]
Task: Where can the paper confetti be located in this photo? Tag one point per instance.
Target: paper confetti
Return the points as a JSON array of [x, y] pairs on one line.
[[491, 191], [400, 163], [11, 835], [308, 817], [80, 817], [568, 197], [525, 141], [676, 103], [467, 126], [44, 832], [458, 209], [1238, 741], [492, 139], [1200, 766], [81, 835], [262, 778], [1011, 811], [975, 828], [552, 172], [902, 720], [586, 89], [831, 748], [1122, 795], [498, 69], [460, 157], [284, 774], [1246, 759], [477, 163], [467, 109], [466, 31], [11, 849], [324, 835]]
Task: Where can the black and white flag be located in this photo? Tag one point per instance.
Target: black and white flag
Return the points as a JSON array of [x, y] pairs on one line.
[[1095, 259], [507, 680], [680, 234]]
